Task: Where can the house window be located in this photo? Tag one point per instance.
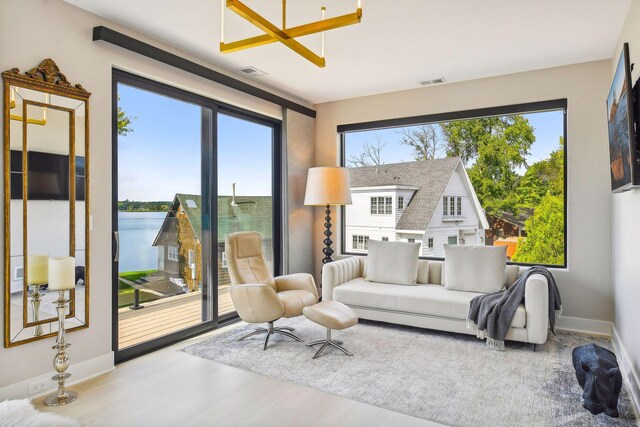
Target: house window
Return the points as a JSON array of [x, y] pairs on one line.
[[360, 243], [381, 206], [385, 239], [411, 240], [467, 160], [451, 206], [452, 240], [172, 253], [430, 242]]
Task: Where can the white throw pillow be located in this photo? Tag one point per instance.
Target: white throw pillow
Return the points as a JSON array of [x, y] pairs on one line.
[[392, 262], [475, 268]]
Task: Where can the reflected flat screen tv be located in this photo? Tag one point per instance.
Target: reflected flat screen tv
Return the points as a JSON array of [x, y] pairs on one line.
[[48, 176], [623, 149]]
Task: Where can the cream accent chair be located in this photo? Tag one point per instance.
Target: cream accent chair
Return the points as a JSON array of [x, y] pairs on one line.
[[258, 296]]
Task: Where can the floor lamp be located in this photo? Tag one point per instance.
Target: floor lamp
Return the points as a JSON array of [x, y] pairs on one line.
[[328, 186]]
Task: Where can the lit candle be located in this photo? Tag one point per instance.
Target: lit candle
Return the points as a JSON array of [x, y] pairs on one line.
[[62, 273], [37, 269], [359, 4]]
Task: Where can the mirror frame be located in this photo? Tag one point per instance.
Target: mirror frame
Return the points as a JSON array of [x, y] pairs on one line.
[[46, 78]]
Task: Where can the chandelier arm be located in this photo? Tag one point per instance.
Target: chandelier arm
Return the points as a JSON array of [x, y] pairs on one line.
[[266, 26], [294, 32]]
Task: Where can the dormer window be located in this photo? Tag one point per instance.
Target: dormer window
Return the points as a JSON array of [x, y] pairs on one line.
[[381, 205], [400, 202]]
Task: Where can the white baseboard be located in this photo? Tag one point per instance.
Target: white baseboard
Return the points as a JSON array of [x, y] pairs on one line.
[[578, 324], [81, 371], [628, 372]]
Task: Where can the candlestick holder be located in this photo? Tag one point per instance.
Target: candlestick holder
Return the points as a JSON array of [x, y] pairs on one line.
[[35, 307], [61, 359]]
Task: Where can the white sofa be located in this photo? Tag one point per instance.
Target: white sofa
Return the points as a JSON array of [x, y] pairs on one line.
[[430, 305]]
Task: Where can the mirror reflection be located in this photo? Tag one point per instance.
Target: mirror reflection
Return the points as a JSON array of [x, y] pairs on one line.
[[47, 201]]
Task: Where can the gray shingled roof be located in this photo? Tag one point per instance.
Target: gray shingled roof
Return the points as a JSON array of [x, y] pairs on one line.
[[430, 176]]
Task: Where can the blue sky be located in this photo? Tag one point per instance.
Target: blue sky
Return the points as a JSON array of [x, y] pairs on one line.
[[162, 156], [548, 128]]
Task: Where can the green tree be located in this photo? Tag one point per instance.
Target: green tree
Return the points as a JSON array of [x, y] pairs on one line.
[[543, 177], [495, 147], [544, 243], [124, 121]]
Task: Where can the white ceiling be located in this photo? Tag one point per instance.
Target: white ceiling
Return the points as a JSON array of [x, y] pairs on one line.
[[398, 44]]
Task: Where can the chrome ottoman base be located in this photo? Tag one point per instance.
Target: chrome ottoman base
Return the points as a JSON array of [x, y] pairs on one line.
[[328, 342]]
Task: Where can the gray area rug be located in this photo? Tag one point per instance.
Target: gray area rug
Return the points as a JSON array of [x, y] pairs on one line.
[[452, 379]]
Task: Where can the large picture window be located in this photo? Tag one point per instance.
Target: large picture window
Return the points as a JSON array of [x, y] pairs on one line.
[[486, 177]]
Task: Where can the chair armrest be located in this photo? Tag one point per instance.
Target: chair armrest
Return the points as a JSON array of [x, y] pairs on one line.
[[338, 272], [256, 303], [536, 304], [297, 281]]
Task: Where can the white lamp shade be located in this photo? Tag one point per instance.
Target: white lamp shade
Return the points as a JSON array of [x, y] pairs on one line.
[[62, 273], [37, 269], [328, 186]]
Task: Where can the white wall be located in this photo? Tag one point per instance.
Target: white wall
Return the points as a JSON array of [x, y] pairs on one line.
[[626, 228], [586, 283], [30, 31]]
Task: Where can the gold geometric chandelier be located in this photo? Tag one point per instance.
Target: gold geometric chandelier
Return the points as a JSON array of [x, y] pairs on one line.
[[284, 35]]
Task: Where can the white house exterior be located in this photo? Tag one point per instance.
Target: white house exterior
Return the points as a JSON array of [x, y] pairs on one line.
[[432, 202]]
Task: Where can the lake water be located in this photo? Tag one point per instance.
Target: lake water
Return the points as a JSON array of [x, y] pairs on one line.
[[137, 231]]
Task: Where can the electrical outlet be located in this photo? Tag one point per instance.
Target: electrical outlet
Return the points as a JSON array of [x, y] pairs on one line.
[[38, 387]]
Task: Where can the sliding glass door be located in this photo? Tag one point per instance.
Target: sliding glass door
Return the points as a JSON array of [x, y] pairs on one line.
[[245, 190], [180, 160]]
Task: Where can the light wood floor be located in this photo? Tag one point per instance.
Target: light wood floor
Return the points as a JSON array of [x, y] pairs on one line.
[[171, 388], [165, 316]]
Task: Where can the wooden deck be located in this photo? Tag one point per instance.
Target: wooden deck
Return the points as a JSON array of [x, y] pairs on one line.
[[165, 316]]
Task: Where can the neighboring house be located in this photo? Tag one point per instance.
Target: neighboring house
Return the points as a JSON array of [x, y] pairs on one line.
[[179, 240], [505, 229], [432, 202], [503, 225]]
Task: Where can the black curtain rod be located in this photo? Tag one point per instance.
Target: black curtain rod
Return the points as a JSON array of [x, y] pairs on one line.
[[118, 39]]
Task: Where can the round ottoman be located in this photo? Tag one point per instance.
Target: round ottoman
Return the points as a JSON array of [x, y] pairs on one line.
[[331, 315]]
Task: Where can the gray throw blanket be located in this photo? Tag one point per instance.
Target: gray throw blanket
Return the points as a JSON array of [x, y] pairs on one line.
[[490, 315]]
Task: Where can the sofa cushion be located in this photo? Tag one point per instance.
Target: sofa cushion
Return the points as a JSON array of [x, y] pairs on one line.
[[432, 300], [424, 270], [392, 262], [475, 268], [513, 272]]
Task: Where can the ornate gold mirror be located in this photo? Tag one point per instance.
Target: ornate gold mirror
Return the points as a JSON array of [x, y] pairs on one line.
[[46, 199]]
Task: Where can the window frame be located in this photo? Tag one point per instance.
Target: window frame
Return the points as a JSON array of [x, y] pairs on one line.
[[386, 205], [560, 104], [360, 239], [449, 238], [400, 205], [429, 242]]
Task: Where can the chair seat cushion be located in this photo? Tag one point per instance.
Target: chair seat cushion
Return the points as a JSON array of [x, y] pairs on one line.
[[295, 300], [331, 314], [430, 300]]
